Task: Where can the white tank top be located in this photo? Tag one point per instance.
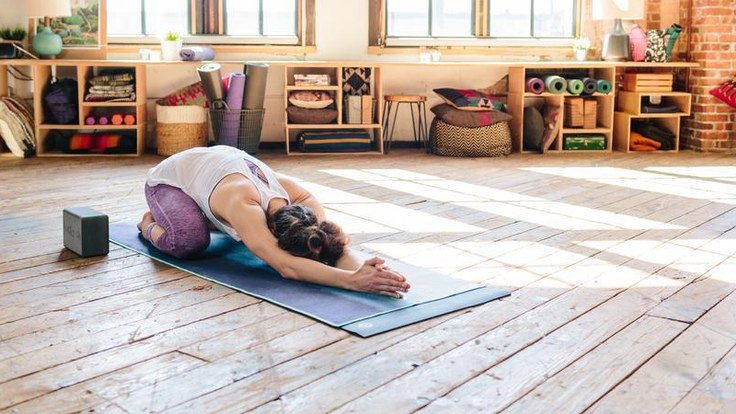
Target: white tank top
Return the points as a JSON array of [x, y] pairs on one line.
[[197, 172]]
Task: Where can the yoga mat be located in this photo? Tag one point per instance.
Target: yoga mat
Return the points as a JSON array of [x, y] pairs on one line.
[[226, 83], [535, 85], [256, 75], [230, 263], [604, 86], [212, 81], [555, 84], [231, 119], [589, 86], [192, 53], [575, 86]]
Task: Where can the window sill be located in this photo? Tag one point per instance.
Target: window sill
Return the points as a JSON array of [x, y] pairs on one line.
[[473, 50], [233, 48]]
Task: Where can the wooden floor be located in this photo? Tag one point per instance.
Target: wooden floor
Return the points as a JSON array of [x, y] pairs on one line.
[[622, 267]]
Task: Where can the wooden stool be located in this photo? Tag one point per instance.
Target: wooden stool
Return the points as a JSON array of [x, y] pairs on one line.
[[418, 124]]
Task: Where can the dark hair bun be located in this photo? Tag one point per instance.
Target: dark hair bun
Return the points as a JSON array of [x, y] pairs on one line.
[[300, 233]]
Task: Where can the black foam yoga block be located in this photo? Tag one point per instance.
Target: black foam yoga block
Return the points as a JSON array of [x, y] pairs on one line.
[[86, 231]]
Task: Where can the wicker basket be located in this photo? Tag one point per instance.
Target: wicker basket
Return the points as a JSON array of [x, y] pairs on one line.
[[454, 141], [241, 129], [180, 128]]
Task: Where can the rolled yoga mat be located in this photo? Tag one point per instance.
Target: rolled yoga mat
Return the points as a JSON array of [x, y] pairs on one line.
[[256, 75], [212, 83], [231, 264], [589, 86], [604, 86], [535, 85], [575, 86], [555, 84], [231, 119]]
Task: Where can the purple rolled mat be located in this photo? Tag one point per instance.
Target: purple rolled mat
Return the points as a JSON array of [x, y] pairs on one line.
[[535, 85], [231, 120]]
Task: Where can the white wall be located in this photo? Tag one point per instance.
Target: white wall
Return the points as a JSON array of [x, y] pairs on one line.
[[341, 34]]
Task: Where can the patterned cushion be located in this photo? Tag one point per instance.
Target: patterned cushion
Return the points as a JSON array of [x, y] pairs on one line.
[[193, 94], [469, 119], [299, 115], [533, 129], [356, 81], [469, 99], [551, 126]]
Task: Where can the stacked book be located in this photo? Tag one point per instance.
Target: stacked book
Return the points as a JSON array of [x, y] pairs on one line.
[[311, 79]]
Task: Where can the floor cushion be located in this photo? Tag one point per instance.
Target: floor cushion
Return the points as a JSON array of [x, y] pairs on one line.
[[299, 115], [469, 119], [454, 141]]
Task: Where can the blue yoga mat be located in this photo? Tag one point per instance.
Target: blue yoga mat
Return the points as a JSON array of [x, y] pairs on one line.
[[230, 263]]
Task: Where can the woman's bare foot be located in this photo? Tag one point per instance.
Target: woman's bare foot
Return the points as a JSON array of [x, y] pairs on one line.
[[145, 222]]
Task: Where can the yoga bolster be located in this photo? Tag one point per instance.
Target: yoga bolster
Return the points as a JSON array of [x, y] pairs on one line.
[[575, 86], [117, 119], [604, 86], [212, 81], [555, 84], [90, 120], [129, 119], [103, 120], [231, 120], [535, 85], [256, 75], [589, 86]]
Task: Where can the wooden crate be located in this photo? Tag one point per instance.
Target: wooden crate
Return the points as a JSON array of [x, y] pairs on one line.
[[590, 113], [574, 112], [648, 82]]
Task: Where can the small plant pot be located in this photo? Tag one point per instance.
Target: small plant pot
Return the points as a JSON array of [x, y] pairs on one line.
[[170, 50], [581, 55]]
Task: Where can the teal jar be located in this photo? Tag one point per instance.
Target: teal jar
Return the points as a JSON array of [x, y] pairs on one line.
[[47, 43]]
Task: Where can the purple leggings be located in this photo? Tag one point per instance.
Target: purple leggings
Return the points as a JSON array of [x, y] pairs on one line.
[[186, 228]]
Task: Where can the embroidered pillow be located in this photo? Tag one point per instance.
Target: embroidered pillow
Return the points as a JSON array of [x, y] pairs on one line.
[[469, 99], [469, 119]]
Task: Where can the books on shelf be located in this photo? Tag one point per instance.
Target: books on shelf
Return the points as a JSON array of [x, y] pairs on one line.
[[311, 79], [359, 109]]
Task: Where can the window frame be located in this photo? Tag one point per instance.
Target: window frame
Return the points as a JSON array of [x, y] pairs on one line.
[[480, 29], [304, 32]]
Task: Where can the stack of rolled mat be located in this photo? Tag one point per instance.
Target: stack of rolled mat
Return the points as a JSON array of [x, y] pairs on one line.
[[558, 85], [113, 86]]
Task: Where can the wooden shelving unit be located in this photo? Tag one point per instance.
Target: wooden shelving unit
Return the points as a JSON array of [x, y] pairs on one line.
[[335, 71], [628, 109], [519, 99], [42, 72]]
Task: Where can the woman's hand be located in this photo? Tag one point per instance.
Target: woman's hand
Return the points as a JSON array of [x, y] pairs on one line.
[[374, 277]]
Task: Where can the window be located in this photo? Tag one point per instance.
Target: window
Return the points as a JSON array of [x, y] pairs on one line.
[[212, 21], [478, 22], [147, 17], [261, 17]]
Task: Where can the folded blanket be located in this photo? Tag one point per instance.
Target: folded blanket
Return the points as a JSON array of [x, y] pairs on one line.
[[111, 83], [642, 143], [653, 132], [112, 77], [659, 109], [110, 98], [119, 88], [192, 53]]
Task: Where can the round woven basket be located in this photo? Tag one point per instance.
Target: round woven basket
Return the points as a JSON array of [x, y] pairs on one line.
[[179, 128], [454, 141]]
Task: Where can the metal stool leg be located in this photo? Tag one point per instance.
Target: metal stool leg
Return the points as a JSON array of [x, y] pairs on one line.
[[425, 126], [414, 127], [384, 122], [390, 133]]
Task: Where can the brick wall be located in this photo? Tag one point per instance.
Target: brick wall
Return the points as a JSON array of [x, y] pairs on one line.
[[712, 127]]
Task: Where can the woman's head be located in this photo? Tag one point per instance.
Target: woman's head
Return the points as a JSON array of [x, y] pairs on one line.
[[301, 233]]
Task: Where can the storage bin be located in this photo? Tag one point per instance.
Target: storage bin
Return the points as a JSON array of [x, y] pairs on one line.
[[180, 128], [648, 82], [454, 141], [248, 126]]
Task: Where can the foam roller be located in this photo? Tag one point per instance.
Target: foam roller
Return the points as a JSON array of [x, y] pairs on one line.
[[604, 86], [555, 84], [575, 86]]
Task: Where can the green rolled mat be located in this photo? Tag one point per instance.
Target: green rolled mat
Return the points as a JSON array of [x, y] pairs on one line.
[[604, 86], [575, 86], [555, 84]]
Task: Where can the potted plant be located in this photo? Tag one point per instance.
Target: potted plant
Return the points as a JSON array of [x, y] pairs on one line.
[[580, 46], [171, 46]]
